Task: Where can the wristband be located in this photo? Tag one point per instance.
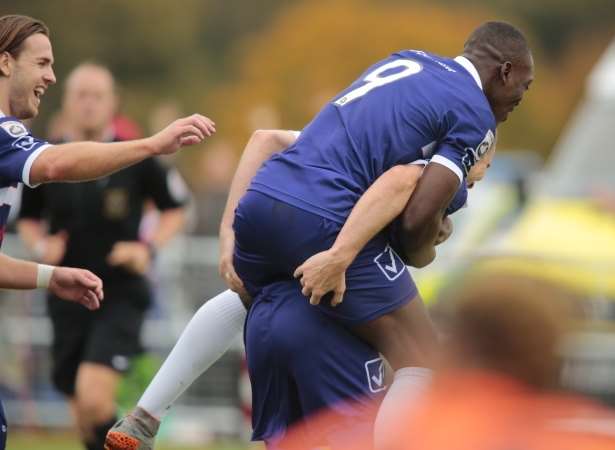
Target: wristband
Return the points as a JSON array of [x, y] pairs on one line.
[[43, 275]]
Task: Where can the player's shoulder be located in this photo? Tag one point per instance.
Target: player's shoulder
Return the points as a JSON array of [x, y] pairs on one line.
[[426, 58], [12, 128], [14, 135]]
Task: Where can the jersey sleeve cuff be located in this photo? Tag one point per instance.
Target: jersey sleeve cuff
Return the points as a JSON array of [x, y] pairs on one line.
[[448, 164], [25, 174]]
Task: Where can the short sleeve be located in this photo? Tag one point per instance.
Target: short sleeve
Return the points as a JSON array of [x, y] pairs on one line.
[[18, 151], [465, 142], [165, 186]]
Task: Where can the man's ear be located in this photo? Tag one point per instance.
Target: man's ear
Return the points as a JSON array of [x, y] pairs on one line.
[[505, 72], [6, 64]]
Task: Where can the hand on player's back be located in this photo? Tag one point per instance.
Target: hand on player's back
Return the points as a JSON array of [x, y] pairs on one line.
[[77, 285], [323, 273], [189, 130]]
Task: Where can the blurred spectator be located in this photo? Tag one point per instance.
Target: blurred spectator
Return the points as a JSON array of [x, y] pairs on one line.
[[57, 127], [96, 225]]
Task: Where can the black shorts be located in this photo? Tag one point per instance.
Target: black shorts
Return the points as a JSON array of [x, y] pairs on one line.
[[110, 336]]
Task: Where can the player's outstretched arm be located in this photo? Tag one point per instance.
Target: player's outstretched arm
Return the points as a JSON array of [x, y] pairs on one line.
[[262, 144], [75, 285], [80, 161], [378, 206]]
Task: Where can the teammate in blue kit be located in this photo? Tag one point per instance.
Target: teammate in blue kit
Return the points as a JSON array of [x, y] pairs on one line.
[[412, 106], [26, 61]]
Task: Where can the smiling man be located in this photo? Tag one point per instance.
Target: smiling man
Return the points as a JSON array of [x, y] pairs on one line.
[[26, 71]]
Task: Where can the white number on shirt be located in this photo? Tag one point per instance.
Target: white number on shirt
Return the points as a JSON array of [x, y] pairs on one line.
[[374, 80]]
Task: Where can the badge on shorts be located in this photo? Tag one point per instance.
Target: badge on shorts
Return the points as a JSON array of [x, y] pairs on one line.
[[374, 369], [390, 263], [14, 128]]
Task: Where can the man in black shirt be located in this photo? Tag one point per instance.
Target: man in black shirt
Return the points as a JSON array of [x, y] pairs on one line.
[[95, 225]]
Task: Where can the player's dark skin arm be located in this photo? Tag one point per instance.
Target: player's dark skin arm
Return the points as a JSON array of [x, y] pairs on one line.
[[422, 217], [406, 337]]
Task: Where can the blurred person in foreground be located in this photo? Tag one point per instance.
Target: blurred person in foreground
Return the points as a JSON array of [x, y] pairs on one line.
[[26, 72], [96, 225], [497, 385]]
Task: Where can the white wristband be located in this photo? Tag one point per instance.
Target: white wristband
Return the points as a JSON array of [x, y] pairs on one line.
[[43, 275]]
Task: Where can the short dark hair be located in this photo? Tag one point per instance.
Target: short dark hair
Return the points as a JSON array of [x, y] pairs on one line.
[[501, 37], [15, 29]]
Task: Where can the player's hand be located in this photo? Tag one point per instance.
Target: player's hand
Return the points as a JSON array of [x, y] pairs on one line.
[[446, 229], [323, 273], [134, 256], [189, 130], [77, 285], [226, 268], [51, 249]]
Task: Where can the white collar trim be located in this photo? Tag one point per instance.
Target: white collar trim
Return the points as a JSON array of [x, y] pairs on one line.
[[2, 114], [467, 65]]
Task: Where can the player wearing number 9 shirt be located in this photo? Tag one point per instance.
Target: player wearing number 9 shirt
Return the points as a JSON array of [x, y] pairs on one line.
[[411, 106]]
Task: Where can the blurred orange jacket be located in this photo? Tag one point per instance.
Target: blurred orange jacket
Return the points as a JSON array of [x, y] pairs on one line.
[[471, 410]]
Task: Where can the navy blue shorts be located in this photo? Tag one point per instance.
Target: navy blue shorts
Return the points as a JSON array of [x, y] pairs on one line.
[[301, 362], [273, 238]]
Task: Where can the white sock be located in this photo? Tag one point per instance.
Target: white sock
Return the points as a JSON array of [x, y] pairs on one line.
[[407, 387], [207, 336]]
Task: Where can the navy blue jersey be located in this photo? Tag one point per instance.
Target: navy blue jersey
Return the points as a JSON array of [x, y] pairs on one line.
[[411, 106], [18, 150]]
